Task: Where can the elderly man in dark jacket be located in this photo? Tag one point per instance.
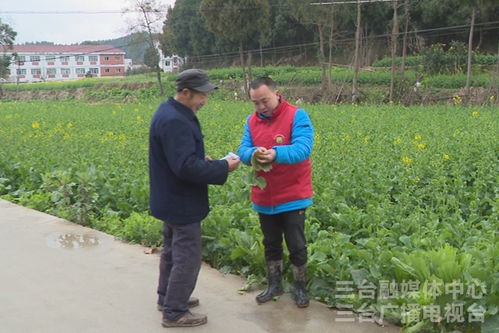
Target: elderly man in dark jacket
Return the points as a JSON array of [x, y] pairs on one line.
[[179, 177]]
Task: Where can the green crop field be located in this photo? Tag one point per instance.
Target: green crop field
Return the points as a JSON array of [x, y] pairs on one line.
[[405, 209]]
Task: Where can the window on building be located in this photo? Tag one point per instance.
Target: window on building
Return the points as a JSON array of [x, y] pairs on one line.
[[64, 59], [51, 71], [65, 71], [80, 58], [117, 57], [50, 58], [106, 70], [21, 71], [118, 70], [167, 63], [36, 71], [92, 58], [80, 71], [106, 58], [94, 70], [34, 58], [21, 58]]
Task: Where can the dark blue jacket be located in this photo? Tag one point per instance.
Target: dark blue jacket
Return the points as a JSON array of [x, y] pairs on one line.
[[179, 174]]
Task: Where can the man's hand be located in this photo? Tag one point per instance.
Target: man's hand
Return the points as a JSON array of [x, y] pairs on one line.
[[208, 158], [264, 155], [233, 163]]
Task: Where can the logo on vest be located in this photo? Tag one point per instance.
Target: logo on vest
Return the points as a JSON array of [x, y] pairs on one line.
[[279, 138]]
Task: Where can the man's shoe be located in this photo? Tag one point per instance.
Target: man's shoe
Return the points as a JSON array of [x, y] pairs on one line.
[[300, 296], [274, 276], [187, 320], [192, 302]]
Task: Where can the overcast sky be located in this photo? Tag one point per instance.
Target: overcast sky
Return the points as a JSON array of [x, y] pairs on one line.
[[33, 26]]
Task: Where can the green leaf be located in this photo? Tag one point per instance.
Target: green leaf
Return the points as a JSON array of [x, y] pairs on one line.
[[237, 253], [406, 240], [261, 182], [359, 275], [491, 324]]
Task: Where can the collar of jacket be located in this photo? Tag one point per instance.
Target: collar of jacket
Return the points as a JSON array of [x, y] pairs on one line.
[[182, 108], [283, 104]]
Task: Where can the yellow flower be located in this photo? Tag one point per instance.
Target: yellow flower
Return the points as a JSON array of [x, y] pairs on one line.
[[66, 136], [139, 119], [475, 114], [35, 125], [122, 137], [407, 160], [397, 141], [446, 157], [492, 99], [457, 100], [417, 137], [109, 134], [366, 140], [69, 125], [421, 146]]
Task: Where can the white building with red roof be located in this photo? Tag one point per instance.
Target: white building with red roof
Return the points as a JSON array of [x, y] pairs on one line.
[[65, 62]]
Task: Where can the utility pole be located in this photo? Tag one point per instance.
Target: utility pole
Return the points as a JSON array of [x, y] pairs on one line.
[[356, 61]]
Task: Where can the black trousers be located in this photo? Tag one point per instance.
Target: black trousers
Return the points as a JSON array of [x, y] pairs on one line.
[[179, 267], [291, 225]]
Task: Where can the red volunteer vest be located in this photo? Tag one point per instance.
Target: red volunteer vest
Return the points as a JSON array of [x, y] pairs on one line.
[[285, 182]]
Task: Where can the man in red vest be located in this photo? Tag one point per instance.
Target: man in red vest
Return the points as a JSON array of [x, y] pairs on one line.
[[280, 135]]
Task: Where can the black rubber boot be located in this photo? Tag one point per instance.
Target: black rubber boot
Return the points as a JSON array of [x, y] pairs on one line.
[[274, 277], [300, 275]]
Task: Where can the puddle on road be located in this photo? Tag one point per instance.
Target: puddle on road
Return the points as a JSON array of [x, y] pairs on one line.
[[71, 241]]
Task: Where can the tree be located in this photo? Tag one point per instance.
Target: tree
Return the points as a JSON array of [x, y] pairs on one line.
[[186, 33], [7, 38], [356, 56], [470, 53], [404, 41], [395, 32], [474, 6], [322, 17], [238, 20], [148, 13], [151, 57]]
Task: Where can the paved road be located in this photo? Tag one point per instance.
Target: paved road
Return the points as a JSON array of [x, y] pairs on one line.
[[57, 276]]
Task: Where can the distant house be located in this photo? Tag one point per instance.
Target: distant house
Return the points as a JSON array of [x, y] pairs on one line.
[[171, 63], [65, 62], [128, 64]]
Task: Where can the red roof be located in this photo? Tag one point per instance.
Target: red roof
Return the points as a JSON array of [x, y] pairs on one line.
[[66, 49]]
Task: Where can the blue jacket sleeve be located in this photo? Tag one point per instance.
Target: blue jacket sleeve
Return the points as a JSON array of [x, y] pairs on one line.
[[246, 148], [302, 140], [179, 147]]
